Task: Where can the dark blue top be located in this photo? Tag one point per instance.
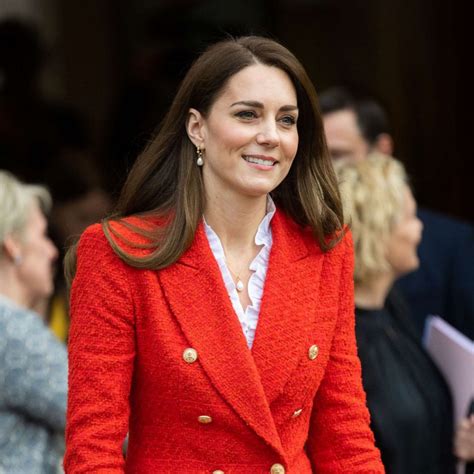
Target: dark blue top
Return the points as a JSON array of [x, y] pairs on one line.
[[444, 283]]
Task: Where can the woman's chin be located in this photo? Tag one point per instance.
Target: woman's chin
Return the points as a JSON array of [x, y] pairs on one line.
[[410, 267]]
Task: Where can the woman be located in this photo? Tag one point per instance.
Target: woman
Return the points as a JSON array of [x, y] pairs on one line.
[[409, 402], [33, 363], [171, 335]]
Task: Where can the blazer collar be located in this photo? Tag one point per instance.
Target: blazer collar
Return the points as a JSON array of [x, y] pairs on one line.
[[293, 247], [248, 380]]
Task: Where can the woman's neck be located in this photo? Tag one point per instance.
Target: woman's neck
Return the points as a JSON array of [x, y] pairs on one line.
[[235, 221], [373, 293], [11, 288]]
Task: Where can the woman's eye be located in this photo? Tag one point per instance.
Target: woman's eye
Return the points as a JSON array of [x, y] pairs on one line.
[[246, 114], [288, 120]]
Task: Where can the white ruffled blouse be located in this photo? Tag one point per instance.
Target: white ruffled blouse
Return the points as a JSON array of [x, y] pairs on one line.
[[259, 265]]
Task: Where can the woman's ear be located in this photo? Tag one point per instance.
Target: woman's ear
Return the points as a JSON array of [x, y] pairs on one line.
[[384, 144], [196, 128], [11, 248]]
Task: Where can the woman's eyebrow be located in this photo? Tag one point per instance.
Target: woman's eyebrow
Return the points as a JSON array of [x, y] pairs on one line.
[[259, 105], [288, 108], [249, 103]]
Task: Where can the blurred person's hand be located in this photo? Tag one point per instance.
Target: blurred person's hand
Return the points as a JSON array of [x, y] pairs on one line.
[[464, 440]]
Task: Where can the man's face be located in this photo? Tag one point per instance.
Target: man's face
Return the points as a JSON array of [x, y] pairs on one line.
[[344, 137]]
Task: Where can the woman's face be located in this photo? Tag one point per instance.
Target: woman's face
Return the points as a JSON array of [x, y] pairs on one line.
[[406, 235], [250, 136], [38, 254]]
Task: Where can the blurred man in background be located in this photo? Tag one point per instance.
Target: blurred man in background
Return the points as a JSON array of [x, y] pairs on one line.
[[444, 283]]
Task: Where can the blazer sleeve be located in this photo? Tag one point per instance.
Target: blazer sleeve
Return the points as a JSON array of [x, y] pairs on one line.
[[101, 357], [340, 439]]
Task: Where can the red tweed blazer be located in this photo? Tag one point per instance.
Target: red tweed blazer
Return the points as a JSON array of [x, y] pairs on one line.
[[294, 403]]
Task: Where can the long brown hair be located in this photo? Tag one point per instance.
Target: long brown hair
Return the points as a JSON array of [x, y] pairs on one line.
[[165, 181]]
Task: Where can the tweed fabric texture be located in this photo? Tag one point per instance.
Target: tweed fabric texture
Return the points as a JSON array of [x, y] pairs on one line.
[[130, 327]]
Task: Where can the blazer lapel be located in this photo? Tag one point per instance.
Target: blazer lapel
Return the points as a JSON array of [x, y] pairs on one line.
[[289, 305], [199, 301]]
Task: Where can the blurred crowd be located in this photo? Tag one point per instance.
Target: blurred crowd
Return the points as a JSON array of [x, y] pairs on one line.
[[410, 263]]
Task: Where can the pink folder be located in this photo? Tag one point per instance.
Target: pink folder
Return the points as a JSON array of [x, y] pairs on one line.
[[453, 353]]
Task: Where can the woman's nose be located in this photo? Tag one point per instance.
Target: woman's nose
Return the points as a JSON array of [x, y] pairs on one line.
[[420, 228], [268, 135], [53, 251]]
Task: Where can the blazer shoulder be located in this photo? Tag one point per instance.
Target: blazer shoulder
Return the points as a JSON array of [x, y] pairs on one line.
[[94, 232], [345, 246], [296, 235], [95, 252], [93, 241], [133, 235], [347, 241]]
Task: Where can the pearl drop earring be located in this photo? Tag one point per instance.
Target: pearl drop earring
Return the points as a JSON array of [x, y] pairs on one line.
[[199, 160]]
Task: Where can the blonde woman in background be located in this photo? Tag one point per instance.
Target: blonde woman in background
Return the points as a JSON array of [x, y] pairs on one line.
[[409, 401], [33, 363]]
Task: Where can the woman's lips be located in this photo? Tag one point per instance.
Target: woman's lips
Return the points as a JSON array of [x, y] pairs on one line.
[[265, 162]]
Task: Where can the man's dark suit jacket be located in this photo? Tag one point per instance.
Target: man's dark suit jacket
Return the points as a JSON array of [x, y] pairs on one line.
[[444, 283]]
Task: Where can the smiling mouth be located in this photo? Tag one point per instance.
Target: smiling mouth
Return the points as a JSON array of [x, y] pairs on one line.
[[259, 161]]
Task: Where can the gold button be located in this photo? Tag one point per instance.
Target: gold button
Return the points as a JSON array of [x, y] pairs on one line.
[[313, 352], [277, 469], [297, 413], [190, 355], [204, 419]]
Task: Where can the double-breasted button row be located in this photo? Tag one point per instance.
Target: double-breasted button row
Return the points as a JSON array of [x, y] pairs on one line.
[[313, 352], [277, 469], [190, 355]]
